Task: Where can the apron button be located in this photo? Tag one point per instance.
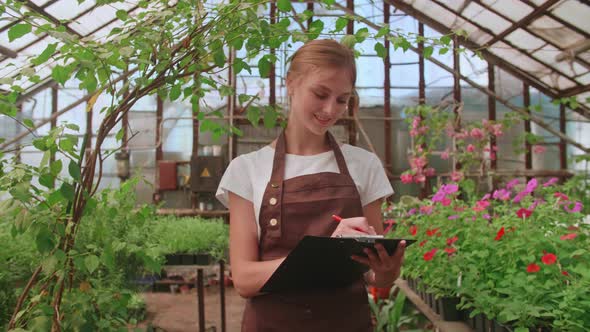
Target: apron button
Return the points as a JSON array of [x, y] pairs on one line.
[[273, 222], [274, 185], [273, 201]]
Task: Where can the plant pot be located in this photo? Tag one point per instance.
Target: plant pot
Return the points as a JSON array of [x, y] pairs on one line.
[[447, 309], [480, 323], [497, 327], [188, 259], [173, 259], [203, 259]]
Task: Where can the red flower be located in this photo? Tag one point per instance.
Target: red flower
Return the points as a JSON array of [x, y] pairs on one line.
[[423, 243], [430, 255], [533, 268], [548, 259], [413, 229], [452, 240], [570, 236], [561, 196], [565, 273], [450, 250], [524, 213], [500, 234], [431, 232]]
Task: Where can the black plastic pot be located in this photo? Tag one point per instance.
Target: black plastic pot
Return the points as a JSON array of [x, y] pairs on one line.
[[203, 259], [173, 259], [447, 309], [481, 323], [497, 327], [188, 259]]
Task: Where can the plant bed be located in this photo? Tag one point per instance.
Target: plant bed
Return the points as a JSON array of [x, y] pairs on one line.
[[447, 309]]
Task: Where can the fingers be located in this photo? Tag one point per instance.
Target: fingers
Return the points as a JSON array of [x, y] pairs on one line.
[[360, 223]]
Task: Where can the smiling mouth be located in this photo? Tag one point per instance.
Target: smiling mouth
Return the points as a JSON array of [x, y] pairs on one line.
[[322, 120]]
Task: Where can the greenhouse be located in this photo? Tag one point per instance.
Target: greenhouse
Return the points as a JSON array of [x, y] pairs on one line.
[[282, 165]]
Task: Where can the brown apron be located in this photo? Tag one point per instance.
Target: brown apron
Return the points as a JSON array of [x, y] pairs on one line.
[[290, 210]]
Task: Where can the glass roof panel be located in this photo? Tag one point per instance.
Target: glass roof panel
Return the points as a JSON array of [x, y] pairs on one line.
[[584, 79], [40, 2], [548, 53], [558, 81], [574, 12], [94, 19], [555, 32], [68, 9], [514, 10], [525, 40], [486, 18]]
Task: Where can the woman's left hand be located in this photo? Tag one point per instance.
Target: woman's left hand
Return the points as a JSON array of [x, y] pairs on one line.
[[386, 269]]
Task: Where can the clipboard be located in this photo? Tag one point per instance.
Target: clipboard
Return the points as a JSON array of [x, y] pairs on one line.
[[324, 262]]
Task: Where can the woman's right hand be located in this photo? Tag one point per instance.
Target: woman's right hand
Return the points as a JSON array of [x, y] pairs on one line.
[[353, 226]]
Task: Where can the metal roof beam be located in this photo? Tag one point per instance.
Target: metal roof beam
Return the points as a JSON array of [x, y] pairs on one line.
[[539, 11]]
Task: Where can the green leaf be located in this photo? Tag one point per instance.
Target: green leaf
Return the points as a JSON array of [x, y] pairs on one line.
[[348, 41], [361, 35], [29, 123], [18, 31], [443, 51], [175, 92], [446, 40], [341, 23], [60, 74], [67, 191], [253, 115], [44, 240], [47, 180], [381, 51], [120, 134], [91, 262], [55, 167], [108, 257], [45, 55], [270, 118], [122, 15], [382, 32], [240, 64], [219, 58], [428, 52], [264, 67], [67, 145], [521, 329], [74, 170], [72, 127], [284, 5]]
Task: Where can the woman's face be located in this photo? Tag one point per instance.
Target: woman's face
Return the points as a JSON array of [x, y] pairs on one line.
[[319, 98]]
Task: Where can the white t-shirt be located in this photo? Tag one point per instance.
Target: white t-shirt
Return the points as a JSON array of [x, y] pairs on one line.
[[247, 175]]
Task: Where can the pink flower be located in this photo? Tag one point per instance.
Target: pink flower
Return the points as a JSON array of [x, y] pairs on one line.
[[412, 212], [439, 196], [512, 184], [519, 197], [476, 133], [429, 171], [446, 201], [420, 162], [426, 209], [570, 236], [577, 207], [486, 216], [462, 135], [531, 186], [550, 182], [445, 155], [536, 203], [481, 206], [453, 217], [470, 148], [419, 178], [407, 178], [496, 129], [456, 176], [486, 197], [501, 194], [450, 188], [539, 149], [561, 196]]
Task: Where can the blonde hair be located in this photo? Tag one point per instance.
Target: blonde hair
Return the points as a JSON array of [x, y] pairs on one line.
[[323, 53]]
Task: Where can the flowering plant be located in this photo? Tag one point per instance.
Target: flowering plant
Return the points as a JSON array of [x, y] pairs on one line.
[[520, 254]]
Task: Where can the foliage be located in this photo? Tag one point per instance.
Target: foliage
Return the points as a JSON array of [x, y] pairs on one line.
[[519, 255], [392, 314]]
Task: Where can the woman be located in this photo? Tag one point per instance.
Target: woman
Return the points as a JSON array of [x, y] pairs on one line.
[[292, 187]]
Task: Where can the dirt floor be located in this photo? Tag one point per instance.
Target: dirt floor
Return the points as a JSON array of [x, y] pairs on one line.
[[178, 312]]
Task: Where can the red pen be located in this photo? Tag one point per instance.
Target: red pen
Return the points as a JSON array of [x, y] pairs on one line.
[[339, 219]]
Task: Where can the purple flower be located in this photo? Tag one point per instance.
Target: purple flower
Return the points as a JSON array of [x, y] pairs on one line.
[[450, 188], [486, 197], [439, 196], [519, 197], [550, 182], [412, 212], [512, 183], [453, 217], [535, 203], [486, 216], [577, 207], [531, 186], [501, 194]]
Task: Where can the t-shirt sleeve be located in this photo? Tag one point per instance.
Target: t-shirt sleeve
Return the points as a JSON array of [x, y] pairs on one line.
[[235, 179], [377, 185]]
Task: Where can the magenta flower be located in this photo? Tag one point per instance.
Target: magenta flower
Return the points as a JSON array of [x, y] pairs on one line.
[[439, 196], [470, 148], [550, 182], [519, 197], [445, 155], [407, 178], [446, 201], [512, 184], [577, 207], [450, 188], [453, 217], [426, 209], [486, 197], [501, 194], [531, 186], [429, 171], [486, 216], [456, 176], [420, 178], [412, 212]]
